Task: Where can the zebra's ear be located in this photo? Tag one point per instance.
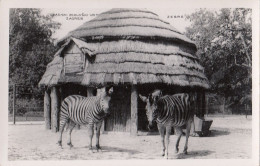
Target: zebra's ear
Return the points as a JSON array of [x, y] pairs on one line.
[[156, 98], [143, 98], [110, 91]]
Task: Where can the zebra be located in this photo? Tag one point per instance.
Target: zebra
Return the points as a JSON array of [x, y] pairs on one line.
[[76, 109], [169, 111]]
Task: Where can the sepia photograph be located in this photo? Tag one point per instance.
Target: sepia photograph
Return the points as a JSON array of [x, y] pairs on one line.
[[139, 83]]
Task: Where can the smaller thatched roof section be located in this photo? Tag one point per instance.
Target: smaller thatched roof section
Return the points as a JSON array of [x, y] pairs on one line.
[[83, 46], [54, 69], [53, 72]]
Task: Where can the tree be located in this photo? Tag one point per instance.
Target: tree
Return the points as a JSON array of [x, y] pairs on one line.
[[224, 41], [31, 45]]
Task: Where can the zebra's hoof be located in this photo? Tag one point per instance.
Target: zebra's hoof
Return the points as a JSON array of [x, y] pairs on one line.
[[70, 145], [59, 143], [163, 152], [185, 152], [177, 150], [90, 149], [98, 147]]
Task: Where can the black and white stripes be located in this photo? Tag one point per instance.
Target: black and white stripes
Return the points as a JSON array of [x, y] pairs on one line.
[[174, 110], [170, 111], [88, 111], [81, 110]]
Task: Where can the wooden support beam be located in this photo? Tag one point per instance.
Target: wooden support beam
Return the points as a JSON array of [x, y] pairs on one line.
[[134, 109], [207, 104], [61, 97], [99, 92], [203, 104], [61, 94], [54, 109], [200, 105], [14, 102], [47, 110]]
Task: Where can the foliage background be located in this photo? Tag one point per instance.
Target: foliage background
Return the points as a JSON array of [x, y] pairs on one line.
[[31, 48], [224, 42]]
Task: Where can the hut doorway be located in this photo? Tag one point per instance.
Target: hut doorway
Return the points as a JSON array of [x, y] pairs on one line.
[[119, 119], [120, 110]]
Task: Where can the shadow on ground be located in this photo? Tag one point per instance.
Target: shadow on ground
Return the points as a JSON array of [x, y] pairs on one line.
[[110, 149], [192, 154], [116, 149], [216, 133]]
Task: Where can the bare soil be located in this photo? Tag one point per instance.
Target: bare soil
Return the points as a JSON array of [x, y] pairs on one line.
[[231, 138]]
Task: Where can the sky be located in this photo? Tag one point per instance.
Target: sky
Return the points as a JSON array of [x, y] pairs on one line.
[[176, 17]]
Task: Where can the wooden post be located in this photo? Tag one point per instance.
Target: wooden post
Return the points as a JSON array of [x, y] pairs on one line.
[[207, 104], [197, 105], [224, 101], [54, 109], [134, 109], [14, 102], [203, 104], [99, 91], [61, 97], [61, 94], [246, 109], [47, 110]]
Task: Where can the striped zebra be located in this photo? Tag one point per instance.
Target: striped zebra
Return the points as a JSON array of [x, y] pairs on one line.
[[169, 111], [88, 111]]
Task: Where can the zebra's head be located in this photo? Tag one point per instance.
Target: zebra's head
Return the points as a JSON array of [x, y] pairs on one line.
[[105, 99], [151, 106]]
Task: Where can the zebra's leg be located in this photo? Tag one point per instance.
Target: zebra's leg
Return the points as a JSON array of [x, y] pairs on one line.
[[62, 126], [90, 134], [71, 126], [162, 133], [167, 141], [188, 127], [178, 131], [98, 126]]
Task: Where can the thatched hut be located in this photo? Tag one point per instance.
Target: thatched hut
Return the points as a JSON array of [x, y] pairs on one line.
[[131, 49]]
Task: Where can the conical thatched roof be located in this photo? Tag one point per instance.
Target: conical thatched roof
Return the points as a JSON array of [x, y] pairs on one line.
[[127, 23], [130, 46]]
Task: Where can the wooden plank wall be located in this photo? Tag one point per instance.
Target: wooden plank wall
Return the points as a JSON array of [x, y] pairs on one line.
[[201, 105], [47, 109], [120, 112], [74, 60], [134, 110]]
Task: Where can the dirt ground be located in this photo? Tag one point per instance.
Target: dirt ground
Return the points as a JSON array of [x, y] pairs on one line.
[[231, 138]]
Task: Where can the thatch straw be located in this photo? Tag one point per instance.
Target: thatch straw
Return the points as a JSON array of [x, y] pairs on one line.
[[70, 79], [121, 47], [141, 47], [131, 30], [134, 78], [170, 60], [53, 72], [132, 10], [128, 22], [135, 67]]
